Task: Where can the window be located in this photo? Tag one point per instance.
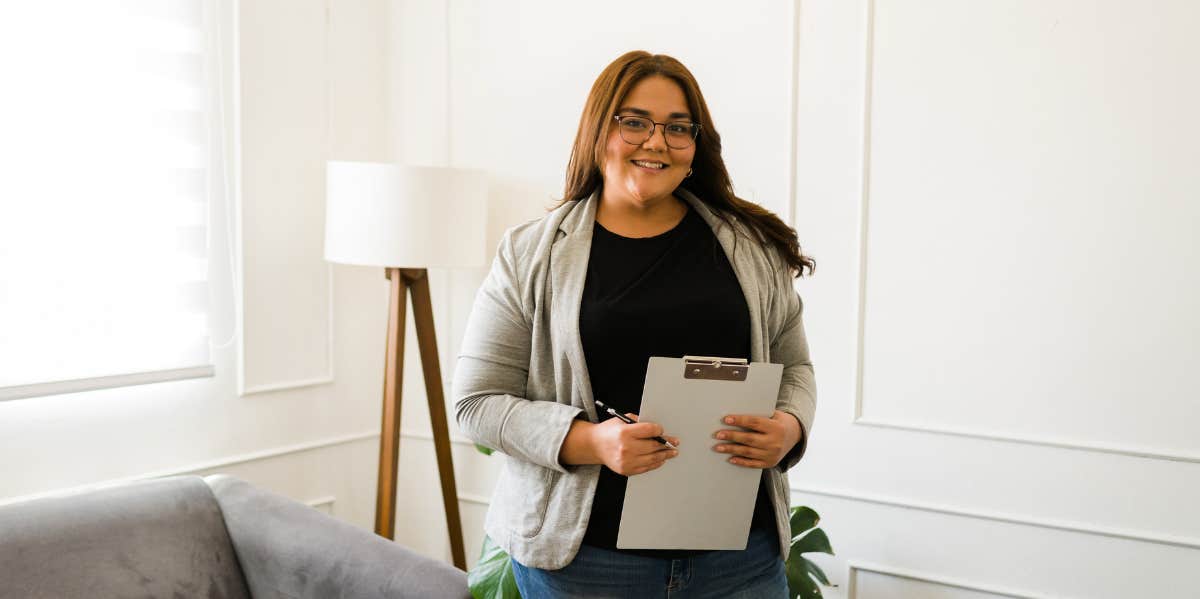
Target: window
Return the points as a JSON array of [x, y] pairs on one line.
[[111, 155]]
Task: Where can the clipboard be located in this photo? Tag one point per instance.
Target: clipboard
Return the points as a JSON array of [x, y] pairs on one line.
[[697, 500]]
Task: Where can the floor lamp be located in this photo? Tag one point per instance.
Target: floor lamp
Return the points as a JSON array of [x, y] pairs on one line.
[[407, 220]]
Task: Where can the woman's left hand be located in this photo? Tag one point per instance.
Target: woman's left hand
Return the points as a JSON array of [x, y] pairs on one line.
[[767, 441]]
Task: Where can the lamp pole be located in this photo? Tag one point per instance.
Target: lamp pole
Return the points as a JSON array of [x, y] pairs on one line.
[[414, 281]]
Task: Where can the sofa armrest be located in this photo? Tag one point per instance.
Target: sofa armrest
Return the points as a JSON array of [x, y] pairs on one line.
[[289, 550]]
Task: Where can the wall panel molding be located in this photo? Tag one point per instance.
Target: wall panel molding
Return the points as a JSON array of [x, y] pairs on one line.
[[794, 102], [475, 499], [1057, 443], [853, 567], [857, 417], [323, 503], [996, 516], [282, 110], [321, 379], [199, 467], [243, 458]]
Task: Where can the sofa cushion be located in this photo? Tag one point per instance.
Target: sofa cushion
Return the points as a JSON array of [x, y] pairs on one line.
[[291, 551], [155, 538]]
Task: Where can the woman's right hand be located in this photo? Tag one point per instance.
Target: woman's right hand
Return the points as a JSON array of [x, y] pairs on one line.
[[630, 449]]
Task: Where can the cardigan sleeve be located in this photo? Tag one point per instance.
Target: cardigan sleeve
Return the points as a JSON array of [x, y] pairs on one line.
[[789, 346], [493, 368]]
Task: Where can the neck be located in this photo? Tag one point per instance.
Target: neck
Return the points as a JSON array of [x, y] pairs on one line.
[[633, 219]]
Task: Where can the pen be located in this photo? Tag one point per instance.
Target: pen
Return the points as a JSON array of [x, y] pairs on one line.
[[626, 420]]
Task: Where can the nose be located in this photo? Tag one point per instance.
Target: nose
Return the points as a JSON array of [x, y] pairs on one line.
[[657, 139]]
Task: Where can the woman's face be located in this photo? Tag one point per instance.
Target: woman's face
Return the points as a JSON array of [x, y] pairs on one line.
[[648, 173]]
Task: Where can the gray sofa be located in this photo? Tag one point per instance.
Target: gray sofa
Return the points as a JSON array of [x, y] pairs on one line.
[[213, 537]]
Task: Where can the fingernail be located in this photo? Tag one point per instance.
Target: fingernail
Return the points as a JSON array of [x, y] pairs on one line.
[[722, 436], [729, 420]]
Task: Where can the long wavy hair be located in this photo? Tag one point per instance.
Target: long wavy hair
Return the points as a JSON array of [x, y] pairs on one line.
[[709, 180]]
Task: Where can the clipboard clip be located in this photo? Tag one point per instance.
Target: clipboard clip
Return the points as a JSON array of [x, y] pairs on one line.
[[715, 369]]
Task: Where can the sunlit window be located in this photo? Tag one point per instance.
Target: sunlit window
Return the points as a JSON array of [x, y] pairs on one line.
[[110, 156]]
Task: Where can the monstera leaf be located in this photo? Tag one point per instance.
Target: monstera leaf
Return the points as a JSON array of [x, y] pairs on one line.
[[492, 576], [803, 576]]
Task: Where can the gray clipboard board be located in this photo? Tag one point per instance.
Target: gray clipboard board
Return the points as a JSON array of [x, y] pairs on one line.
[[697, 500]]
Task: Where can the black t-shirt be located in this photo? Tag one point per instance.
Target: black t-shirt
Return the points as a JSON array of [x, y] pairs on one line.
[[672, 295]]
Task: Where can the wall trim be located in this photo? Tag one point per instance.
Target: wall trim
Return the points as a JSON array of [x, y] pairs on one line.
[[322, 379], [1059, 443], [793, 149], [861, 299], [863, 210], [319, 503], [243, 458], [853, 567], [197, 467], [996, 516], [473, 498], [425, 436], [240, 258]]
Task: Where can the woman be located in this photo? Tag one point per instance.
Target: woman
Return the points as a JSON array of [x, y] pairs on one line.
[[648, 242]]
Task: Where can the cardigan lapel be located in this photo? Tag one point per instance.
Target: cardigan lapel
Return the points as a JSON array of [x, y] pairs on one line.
[[569, 256], [743, 267]]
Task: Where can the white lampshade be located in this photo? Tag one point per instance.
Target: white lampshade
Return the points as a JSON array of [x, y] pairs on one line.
[[405, 216]]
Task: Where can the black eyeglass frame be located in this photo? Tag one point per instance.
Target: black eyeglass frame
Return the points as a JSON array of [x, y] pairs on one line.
[[653, 125]]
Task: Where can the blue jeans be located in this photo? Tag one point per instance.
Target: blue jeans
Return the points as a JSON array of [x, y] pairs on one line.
[[754, 573]]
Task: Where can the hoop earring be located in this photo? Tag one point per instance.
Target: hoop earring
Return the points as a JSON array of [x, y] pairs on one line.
[[688, 174]]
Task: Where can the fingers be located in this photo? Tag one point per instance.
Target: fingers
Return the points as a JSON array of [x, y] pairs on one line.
[[742, 437], [757, 423], [643, 430], [743, 451], [757, 448], [653, 461], [749, 463], [747, 456]]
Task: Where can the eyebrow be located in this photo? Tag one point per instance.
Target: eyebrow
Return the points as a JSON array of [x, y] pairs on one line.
[[641, 112]]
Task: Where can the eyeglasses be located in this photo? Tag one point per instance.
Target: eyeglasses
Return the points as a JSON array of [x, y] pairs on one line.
[[637, 130]]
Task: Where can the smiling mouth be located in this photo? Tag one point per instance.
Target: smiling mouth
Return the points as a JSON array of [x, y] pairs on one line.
[[650, 164]]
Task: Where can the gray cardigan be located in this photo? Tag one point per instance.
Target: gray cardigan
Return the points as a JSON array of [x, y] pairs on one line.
[[521, 377]]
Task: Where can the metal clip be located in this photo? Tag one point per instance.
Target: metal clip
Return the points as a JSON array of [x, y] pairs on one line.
[[715, 369]]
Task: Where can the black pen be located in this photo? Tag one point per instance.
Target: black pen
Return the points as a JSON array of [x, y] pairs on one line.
[[627, 420]]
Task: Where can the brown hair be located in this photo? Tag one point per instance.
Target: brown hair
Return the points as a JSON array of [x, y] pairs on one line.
[[709, 181]]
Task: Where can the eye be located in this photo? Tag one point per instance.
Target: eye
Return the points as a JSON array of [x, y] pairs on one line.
[[679, 128], [635, 123]]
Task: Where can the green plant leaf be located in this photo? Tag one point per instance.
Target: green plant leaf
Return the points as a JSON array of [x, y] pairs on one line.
[[803, 518], [492, 576], [816, 572], [483, 450], [799, 584], [814, 541]]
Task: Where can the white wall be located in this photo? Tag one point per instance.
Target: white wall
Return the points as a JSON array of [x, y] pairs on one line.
[[1000, 196], [1004, 195]]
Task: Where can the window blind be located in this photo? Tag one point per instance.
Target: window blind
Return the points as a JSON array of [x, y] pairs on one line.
[[107, 163]]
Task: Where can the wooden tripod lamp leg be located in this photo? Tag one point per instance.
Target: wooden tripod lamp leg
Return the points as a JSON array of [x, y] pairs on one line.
[[416, 281], [427, 342], [389, 434]]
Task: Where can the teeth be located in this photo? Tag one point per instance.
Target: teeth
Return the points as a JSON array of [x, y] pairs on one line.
[[657, 165]]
